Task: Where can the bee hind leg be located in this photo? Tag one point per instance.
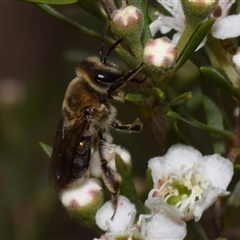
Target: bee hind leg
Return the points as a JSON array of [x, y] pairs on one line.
[[136, 126], [111, 178]]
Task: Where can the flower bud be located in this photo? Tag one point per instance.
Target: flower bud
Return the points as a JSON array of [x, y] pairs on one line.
[[236, 61], [83, 199], [196, 11], [127, 23], [159, 54]]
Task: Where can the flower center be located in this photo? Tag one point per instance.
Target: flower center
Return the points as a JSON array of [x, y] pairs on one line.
[[184, 189]]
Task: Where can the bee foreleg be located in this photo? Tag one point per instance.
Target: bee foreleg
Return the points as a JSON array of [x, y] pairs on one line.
[[136, 126], [123, 80]]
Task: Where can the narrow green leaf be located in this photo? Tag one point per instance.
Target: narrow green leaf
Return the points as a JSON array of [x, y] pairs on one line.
[[237, 7], [143, 94], [219, 81], [198, 230], [237, 166], [180, 100], [234, 198], [194, 42], [127, 57], [92, 7], [213, 113], [149, 179], [158, 93], [201, 126], [138, 96], [46, 148], [57, 2], [52, 12], [127, 187]]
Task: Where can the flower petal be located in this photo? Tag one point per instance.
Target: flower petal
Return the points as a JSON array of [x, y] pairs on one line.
[[158, 25], [226, 27], [163, 224], [210, 196], [179, 155], [123, 219], [218, 170]]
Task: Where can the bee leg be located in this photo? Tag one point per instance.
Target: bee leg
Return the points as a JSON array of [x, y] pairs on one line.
[[111, 178], [123, 80], [136, 126]]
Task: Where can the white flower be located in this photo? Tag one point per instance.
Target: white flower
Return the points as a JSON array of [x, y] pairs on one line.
[[165, 24], [163, 223], [122, 224], [189, 181], [224, 27]]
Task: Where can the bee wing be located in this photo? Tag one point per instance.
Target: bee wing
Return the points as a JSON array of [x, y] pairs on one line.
[[71, 154]]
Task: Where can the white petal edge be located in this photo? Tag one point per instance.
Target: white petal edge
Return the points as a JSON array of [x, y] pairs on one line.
[[218, 170], [123, 219], [163, 223], [179, 154], [227, 27], [210, 196]]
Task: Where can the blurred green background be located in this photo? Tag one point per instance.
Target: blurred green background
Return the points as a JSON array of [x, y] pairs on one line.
[[38, 60]]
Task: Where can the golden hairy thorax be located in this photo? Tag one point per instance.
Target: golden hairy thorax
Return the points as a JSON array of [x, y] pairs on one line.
[[79, 96]]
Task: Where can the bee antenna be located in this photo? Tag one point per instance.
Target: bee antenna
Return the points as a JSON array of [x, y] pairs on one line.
[[109, 51], [102, 41]]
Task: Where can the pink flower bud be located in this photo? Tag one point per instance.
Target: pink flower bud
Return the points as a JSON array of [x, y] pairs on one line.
[[83, 199], [196, 11], [159, 54]]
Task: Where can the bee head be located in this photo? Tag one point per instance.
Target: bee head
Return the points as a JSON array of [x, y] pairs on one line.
[[101, 74]]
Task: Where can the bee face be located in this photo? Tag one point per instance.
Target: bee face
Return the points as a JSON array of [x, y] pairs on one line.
[[86, 117], [100, 74]]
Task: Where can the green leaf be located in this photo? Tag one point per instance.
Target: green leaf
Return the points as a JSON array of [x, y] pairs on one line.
[[180, 100], [220, 82], [143, 94], [127, 57], [237, 166], [193, 42], [234, 198], [158, 93], [213, 113], [201, 126], [149, 179], [59, 2], [127, 187], [197, 230], [138, 96], [92, 7], [237, 7], [46, 148], [52, 12]]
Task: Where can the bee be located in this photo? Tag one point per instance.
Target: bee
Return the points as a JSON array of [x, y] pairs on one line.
[[86, 117]]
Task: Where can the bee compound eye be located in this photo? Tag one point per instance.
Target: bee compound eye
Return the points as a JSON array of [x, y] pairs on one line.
[[105, 77], [100, 77]]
